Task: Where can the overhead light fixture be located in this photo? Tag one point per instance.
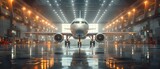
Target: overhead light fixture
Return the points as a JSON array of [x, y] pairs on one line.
[[73, 8], [57, 4], [86, 7], [105, 11], [58, 15], [102, 5], [112, 1], [55, 10]]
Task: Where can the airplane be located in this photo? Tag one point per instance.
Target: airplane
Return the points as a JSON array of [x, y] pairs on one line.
[[79, 30]]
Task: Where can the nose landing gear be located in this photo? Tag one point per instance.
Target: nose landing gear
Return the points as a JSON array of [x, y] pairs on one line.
[[79, 42]]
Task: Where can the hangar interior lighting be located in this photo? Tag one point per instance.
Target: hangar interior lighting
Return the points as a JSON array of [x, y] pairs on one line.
[[73, 8], [61, 12], [86, 8], [99, 11], [57, 4], [105, 11]]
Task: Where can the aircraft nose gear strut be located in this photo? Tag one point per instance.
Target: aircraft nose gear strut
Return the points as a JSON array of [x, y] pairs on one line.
[[79, 42]]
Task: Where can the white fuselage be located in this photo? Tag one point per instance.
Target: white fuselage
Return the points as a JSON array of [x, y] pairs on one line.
[[79, 28]]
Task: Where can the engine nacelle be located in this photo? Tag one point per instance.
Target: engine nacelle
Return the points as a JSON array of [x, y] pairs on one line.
[[58, 38], [100, 38]]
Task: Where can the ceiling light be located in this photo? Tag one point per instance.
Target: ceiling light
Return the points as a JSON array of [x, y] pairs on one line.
[[102, 5], [73, 8], [112, 1], [104, 12], [85, 11]]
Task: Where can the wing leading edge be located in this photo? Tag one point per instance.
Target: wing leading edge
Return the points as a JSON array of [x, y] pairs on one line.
[[105, 33], [113, 33], [46, 33]]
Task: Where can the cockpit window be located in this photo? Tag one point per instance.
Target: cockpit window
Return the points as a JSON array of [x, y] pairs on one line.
[[75, 22], [84, 22]]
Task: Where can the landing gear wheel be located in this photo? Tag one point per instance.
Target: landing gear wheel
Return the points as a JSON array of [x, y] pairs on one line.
[[67, 43], [92, 43]]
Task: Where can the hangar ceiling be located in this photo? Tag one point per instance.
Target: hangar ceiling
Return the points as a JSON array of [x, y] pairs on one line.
[[94, 11]]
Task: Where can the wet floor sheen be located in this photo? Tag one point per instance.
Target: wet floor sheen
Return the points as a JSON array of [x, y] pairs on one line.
[[102, 56]]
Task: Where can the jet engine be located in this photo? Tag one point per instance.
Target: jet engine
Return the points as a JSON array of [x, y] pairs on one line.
[[58, 37], [100, 37]]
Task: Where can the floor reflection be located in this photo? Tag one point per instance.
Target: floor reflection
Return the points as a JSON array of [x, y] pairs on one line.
[[133, 57], [103, 56], [79, 60]]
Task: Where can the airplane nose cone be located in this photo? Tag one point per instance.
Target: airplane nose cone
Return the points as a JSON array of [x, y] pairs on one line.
[[80, 32]]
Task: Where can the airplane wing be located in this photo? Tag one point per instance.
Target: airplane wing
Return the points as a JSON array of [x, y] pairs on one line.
[[118, 33], [89, 34], [113, 33], [47, 33], [40, 33]]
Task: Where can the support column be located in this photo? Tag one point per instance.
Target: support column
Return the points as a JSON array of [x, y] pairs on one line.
[[134, 16], [0, 6], [11, 4], [146, 5], [156, 7]]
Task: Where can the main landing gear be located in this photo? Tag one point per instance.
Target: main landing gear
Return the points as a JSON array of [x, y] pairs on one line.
[[92, 42], [67, 42]]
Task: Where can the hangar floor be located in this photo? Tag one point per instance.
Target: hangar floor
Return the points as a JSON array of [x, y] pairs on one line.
[[102, 56]]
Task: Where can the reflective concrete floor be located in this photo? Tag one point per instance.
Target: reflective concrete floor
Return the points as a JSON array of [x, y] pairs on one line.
[[102, 56]]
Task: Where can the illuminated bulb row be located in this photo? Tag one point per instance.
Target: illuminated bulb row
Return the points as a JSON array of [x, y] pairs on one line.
[[46, 22], [56, 2], [96, 16], [54, 10], [103, 3], [73, 8], [58, 15], [49, 3], [86, 5], [37, 17], [64, 16], [102, 15], [122, 18], [61, 11], [105, 11], [99, 11]]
